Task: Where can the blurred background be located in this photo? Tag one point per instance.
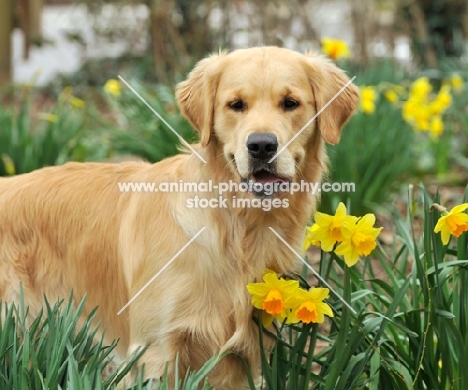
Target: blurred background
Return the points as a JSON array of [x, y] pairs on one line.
[[61, 98]]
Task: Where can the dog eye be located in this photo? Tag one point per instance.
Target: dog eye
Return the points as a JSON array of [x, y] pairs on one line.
[[289, 104], [237, 105]]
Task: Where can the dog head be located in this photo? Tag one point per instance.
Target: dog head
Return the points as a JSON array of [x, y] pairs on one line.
[[257, 105]]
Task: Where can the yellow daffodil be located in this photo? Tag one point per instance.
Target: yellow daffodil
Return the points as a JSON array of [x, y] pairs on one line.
[[52, 118], [77, 102], [421, 117], [436, 127], [416, 113], [66, 93], [456, 82], [113, 87], [368, 98], [335, 48], [436, 107], [391, 96], [273, 295], [309, 239], [453, 223], [359, 239], [422, 111], [308, 306], [8, 164], [409, 110], [444, 98], [420, 88], [328, 228]]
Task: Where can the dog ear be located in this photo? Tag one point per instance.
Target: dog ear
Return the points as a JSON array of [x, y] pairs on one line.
[[326, 81], [196, 96]]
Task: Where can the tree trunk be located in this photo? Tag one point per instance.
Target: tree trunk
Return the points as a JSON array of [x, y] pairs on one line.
[[437, 28], [428, 53], [360, 12], [35, 20], [6, 28]]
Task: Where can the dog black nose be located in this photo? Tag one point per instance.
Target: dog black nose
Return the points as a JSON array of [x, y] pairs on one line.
[[262, 145]]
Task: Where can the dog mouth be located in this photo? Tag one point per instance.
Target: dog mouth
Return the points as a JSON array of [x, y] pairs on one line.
[[262, 180], [265, 176], [264, 183]]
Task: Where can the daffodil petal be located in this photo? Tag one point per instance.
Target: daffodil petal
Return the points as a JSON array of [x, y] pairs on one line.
[[459, 209], [318, 293], [340, 210], [322, 219], [258, 289], [440, 224], [445, 235], [267, 319], [349, 253], [324, 308], [367, 220]]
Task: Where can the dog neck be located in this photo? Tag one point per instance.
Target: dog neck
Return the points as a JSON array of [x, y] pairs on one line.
[[246, 239]]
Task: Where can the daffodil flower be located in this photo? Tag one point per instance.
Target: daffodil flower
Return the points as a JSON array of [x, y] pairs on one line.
[[273, 295], [77, 102], [66, 93], [309, 239], [453, 223], [417, 113], [113, 87], [436, 127], [442, 101], [309, 306], [368, 98], [456, 82], [391, 96], [424, 114], [8, 164], [335, 48], [328, 228], [420, 88], [52, 118], [359, 239]]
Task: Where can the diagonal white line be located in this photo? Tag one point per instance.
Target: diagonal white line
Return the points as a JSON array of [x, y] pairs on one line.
[[315, 116], [313, 271], [163, 120], [160, 271]]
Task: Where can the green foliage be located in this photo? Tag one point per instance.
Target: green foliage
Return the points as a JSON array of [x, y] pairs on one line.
[[435, 26], [376, 151], [31, 140], [57, 351], [410, 329], [140, 131], [73, 130], [54, 351], [379, 151]]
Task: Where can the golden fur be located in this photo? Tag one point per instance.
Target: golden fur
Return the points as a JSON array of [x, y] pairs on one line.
[[69, 227]]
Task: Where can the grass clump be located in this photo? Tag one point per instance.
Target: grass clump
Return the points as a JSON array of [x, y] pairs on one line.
[[61, 349]]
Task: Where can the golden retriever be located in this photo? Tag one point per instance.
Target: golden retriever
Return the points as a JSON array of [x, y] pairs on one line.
[[71, 227]]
